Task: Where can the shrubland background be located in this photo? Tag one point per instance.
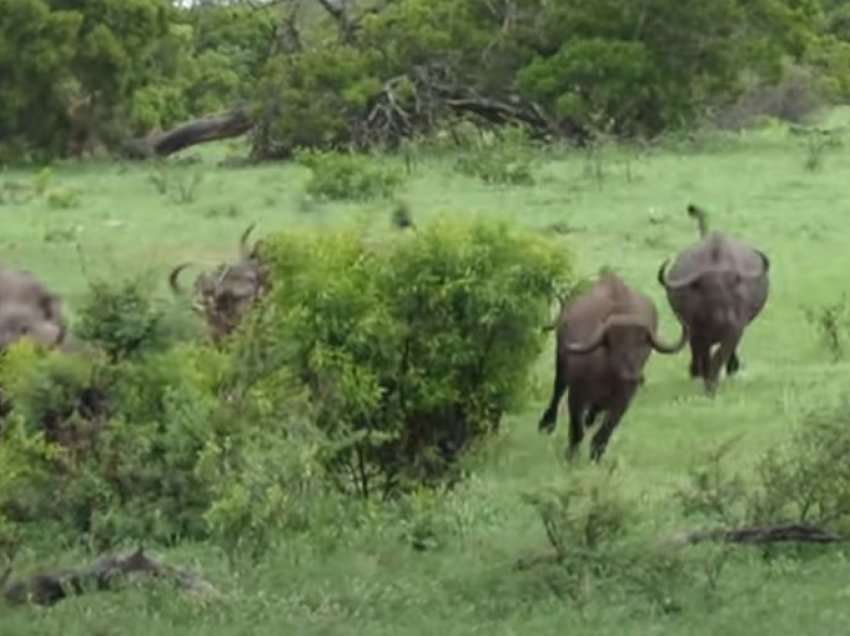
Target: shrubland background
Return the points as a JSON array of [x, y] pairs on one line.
[[362, 456]]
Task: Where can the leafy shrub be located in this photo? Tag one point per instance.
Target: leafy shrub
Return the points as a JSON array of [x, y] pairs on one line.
[[410, 353], [802, 480], [792, 98], [262, 487], [121, 317], [109, 450], [831, 321], [500, 161], [590, 527], [63, 199], [341, 176], [807, 480], [816, 143], [159, 447]]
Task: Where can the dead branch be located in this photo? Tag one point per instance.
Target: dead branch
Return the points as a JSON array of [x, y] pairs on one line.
[[233, 124], [761, 535], [48, 588]]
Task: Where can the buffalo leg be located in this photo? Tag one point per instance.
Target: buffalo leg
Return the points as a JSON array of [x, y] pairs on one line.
[[576, 407], [700, 351], [550, 416], [733, 364], [719, 360], [600, 441], [592, 412]]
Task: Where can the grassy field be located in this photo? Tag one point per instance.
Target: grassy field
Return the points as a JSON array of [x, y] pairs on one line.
[[364, 579]]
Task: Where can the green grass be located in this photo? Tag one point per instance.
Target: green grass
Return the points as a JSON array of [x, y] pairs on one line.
[[369, 581]]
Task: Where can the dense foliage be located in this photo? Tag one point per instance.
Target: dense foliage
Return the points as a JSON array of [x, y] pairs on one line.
[[377, 366], [332, 74]]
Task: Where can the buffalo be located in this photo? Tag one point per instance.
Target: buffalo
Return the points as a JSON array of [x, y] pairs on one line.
[[605, 336], [29, 309], [223, 295], [716, 288]]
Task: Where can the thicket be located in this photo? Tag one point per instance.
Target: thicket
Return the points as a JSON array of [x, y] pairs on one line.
[[370, 370], [327, 74]]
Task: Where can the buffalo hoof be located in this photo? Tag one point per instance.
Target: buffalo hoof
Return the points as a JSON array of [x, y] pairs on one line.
[[597, 450], [733, 365], [546, 425]]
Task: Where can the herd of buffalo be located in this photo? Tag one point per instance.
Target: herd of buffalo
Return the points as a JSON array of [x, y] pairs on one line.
[[605, 335]]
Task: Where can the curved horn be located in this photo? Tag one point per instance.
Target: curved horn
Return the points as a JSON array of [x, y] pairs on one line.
[[684, 282], [596, 339], [663, 347], [765, 261], [661, 271], [172, 278], [243, 240]]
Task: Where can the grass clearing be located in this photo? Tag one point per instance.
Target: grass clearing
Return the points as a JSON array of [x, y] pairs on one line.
[[364, 577]]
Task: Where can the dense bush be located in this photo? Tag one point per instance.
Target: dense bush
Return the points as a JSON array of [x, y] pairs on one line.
[[567, 68], [506, 159], [121, 317], [597, 541], [367, 367], [102, 70], [345, 176], [413, 352], [801, 480]]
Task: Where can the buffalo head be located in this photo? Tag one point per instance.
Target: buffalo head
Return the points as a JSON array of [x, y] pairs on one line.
[[223, 295], [714, 294], [18, 320], [627, 341]]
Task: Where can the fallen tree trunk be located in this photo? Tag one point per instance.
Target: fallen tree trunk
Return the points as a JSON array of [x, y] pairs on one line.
[[48, 588], [799, 533], [233, 124]]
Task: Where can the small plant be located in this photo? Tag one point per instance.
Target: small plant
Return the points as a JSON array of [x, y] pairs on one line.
[[160, 179], [63, 199], [41, 181], [816, 143], [807, 479], [230, 211], [587, 524], [500, 161], [344, 176], [712, 493], [187, 188], [261, 487], [831, 322], [16, 193], [60, 235], [121, 318]]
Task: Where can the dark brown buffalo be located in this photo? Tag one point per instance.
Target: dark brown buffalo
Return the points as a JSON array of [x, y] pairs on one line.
[[29, 309], [223, 295], [716, 287], [605, 336]]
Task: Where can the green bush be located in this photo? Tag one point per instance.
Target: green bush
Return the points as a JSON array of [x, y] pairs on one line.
[[263, 486], [413, 352], [121, 318], [594, 532], [341, 176], [159, 447], [504, 160], [802, 480]]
